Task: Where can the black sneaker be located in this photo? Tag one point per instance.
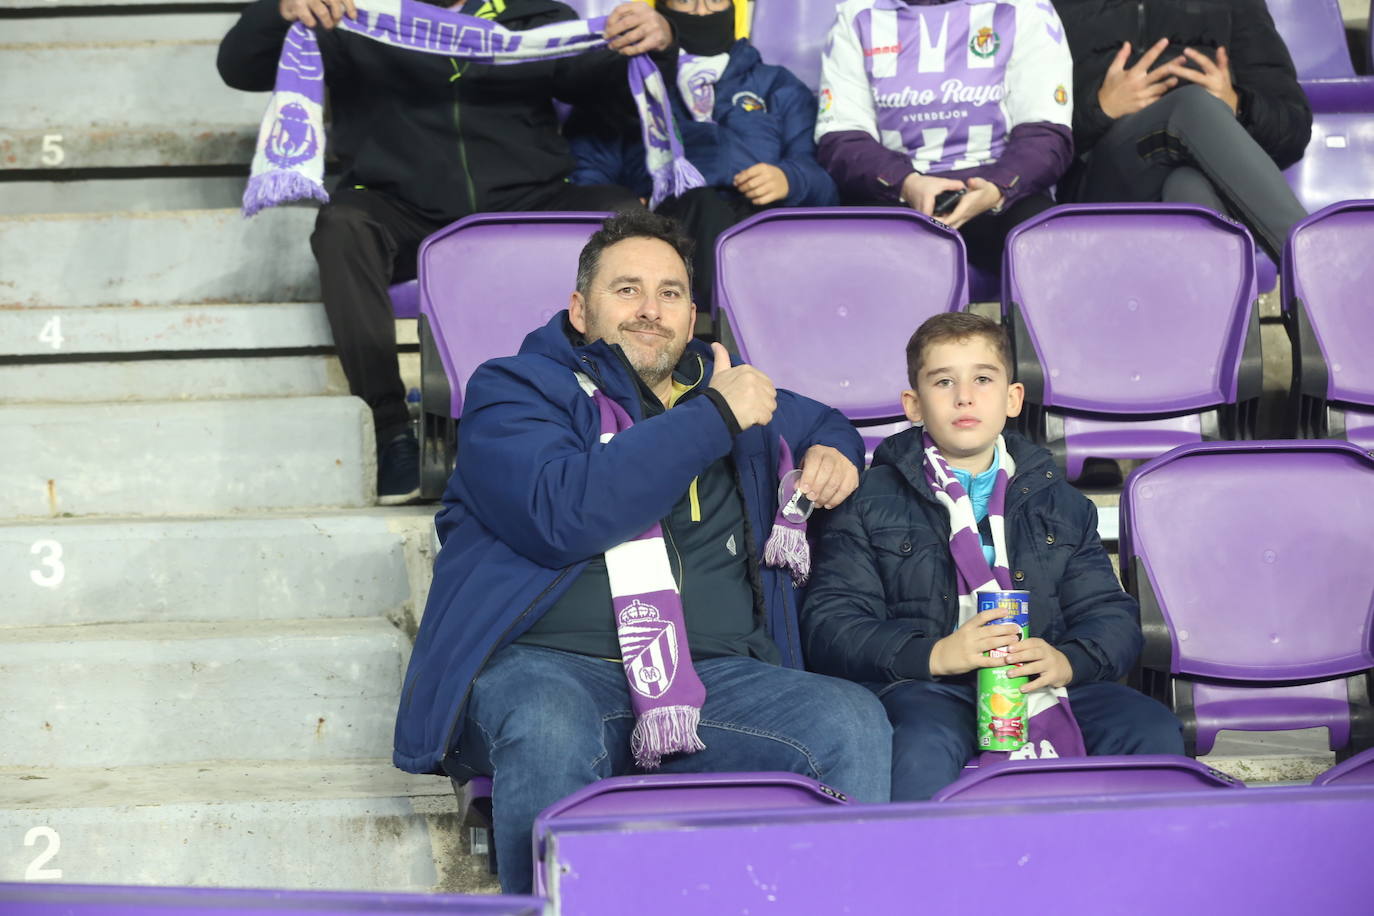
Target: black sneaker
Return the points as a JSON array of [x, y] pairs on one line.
[[398, 471]]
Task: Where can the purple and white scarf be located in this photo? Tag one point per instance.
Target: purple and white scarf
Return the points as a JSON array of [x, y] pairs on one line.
[[665, 692], [696, 82], [289, 161], [1052, 730]]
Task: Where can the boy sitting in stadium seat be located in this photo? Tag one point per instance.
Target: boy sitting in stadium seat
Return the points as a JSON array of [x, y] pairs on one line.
[[745, 125], [958, 110], [891, 601]]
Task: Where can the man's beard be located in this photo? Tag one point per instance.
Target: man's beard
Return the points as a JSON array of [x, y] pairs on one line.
[[652, 368]]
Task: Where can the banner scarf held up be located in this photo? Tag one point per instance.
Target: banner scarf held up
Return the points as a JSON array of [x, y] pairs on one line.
[[288, 163]]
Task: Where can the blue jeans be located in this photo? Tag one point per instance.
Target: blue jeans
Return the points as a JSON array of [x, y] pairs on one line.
[[545, 723], [934, 728]]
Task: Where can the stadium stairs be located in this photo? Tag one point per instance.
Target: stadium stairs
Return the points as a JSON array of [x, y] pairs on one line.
[[203, 619]]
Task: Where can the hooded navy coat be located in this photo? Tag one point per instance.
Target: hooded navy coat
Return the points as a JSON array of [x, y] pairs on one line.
[[536, 495]]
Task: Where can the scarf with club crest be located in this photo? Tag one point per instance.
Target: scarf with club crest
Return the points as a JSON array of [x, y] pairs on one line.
[[288, 163]]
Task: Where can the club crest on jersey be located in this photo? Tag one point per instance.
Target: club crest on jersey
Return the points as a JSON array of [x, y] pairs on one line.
[[1061, 95], [749, 101], [649, 647], [985, 42]]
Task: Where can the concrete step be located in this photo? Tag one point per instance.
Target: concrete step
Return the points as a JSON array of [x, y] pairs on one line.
[[114, 194], [161, 693], [122, 103], [157, 258], [348, 825], [163, 379], [44, 332], [186, 458], [375, 563], [129, 25]]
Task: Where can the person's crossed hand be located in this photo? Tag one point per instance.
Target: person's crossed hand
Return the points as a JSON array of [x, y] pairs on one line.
[[636, 28], [1125, 91], [312, 13]]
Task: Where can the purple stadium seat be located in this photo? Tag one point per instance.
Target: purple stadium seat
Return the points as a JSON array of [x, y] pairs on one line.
[[97, 900], [1281, 850], [824, 299], [1135, 328], [1339, 161], [1251, 564], [485, 282], [631, 799], [1081, 777], [405, 299], [1353, 771], [791, 34], [1327, 275]]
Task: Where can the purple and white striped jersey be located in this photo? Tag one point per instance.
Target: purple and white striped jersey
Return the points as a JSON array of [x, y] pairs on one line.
[[945, 83]]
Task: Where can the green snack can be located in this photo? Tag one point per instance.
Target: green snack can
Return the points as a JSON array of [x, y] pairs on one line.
[[1002, 707]]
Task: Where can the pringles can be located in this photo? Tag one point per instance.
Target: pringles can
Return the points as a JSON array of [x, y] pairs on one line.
[[1002, 707]]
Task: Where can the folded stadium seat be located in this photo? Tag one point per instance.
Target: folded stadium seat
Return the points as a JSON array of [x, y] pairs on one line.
[[1135, 329], [405, 299], [1339, 162], [660, 798], [485, 282], [1353, 771], [824, 299], [1327, 275], [1251, 564], [1082, 776], [791, 34]]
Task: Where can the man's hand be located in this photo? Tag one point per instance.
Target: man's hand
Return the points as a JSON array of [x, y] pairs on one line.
[[919, 191], [312, 13], [828, 477], [982, 196], [748, 392], [962, 651], [635, 28], [763, 184], [1214, 77], [1046, 665], [1125, 92]]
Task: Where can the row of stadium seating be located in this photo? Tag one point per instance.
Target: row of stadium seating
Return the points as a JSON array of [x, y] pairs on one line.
[[1135, 328]]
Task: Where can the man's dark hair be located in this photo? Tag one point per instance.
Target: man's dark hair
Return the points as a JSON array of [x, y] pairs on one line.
[[948, 326], [631, 224]]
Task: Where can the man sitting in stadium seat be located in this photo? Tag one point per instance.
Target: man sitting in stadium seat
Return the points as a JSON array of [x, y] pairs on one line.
[[891, 602], [1203, 108], [745, 125], [616, 483], [955, 109], [425, 140]]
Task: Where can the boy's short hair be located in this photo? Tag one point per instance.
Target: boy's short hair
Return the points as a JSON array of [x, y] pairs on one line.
[[948, 326]]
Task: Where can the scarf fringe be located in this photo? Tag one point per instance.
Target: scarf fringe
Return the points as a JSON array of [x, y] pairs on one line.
[[665, 730], [280, 186], [787, 546]]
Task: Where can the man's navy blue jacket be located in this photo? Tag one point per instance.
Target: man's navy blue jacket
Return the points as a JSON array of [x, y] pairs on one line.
[[536, 495], [884, 588], [762, 114]]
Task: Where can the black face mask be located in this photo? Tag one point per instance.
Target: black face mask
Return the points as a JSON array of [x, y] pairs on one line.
[[706, 35]]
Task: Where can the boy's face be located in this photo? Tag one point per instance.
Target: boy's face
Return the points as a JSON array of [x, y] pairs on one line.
[[963, 397]]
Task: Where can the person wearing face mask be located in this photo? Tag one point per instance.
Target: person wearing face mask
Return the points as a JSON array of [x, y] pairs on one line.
[[746, 126], [959, 110]]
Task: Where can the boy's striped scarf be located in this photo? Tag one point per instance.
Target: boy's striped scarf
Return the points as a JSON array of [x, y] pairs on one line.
[[289, 162]]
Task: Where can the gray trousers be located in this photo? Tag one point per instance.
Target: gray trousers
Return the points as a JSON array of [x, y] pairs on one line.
[[1188, 148]]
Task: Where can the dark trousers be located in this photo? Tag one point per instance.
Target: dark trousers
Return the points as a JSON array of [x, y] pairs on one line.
[[364, 241], [934, 729], [704, 213], [986, 234], [1189, 148]]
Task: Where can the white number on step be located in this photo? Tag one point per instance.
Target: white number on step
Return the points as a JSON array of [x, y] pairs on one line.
[[36, 871], [53, 153], [56, 572], [52, 332]]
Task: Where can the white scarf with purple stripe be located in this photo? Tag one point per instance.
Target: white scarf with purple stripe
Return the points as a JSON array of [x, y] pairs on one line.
[[1052, 730], [289, 161]]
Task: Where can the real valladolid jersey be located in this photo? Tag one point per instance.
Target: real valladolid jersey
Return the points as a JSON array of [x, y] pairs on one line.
[[945, 83]]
